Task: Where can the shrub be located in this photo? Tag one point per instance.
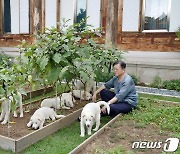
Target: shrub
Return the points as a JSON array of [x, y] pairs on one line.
[[157, 82], [171, 84], [135, 79]]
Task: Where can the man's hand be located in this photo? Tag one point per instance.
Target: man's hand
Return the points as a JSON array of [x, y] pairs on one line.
[[94, 97], [103, 109]]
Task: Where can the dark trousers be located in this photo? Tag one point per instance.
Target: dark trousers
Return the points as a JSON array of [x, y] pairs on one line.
[[115, 108]]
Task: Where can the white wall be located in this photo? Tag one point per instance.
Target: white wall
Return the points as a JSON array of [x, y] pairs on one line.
[[50, 13], [14, 5], [130, 15], [67, 10], [24, 16], [93, 11], [174, 15], [19, 16]]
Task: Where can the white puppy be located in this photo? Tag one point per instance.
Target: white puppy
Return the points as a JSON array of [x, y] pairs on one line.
[[67, 100], [51, 102], [90, 114], [89, 86], [84, 95], [6, 107], [40, 115]]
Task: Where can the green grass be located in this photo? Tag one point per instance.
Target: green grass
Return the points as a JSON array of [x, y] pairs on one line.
[[165, 115], [172, 99]]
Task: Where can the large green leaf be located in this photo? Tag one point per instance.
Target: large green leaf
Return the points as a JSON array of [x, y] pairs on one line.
[[57, 57], [44, 62]]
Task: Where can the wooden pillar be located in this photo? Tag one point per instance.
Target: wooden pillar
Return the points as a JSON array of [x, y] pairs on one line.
[[140, 15], [1, 17], [111, 22], [58, 13], [43, 15], [37, 16]]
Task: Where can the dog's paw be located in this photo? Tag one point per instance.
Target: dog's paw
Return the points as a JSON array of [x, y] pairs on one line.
[[21, 115], [82, 135], [95, 129], [15, 115], [89, 133], [4, 122]]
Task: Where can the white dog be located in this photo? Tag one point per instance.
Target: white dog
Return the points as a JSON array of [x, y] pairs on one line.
[[51, 102], [90, 114], [6, 107], [40, 115], [67, 100], [89, 86], [84, 95]]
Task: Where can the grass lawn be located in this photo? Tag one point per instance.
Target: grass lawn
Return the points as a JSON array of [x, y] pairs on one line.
[[165, 116]]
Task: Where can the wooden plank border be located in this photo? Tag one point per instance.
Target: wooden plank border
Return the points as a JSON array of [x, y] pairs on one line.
[[91, 138], [7, 143]]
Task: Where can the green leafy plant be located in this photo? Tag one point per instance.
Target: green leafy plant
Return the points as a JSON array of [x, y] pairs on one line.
[[135, 79], [66, 54], [178, 32], [157, 82], [171, 84]]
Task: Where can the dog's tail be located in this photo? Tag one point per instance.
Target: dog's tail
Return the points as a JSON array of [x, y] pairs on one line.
[[105, 104], [59, 116]]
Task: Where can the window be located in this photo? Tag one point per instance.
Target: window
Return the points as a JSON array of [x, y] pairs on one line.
[[76, 10], [7, 17], [15, 16], [155, 16], [80, 11]]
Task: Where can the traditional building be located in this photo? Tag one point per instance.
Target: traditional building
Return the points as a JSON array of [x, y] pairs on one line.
[[134, 24]]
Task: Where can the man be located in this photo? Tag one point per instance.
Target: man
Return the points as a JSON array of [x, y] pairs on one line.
[[124, 98]]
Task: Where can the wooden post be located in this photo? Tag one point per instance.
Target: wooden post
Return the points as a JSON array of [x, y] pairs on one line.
[[0, 16], [43, 16], [140, 15], [58, 13], [37, 16], [111, 22]]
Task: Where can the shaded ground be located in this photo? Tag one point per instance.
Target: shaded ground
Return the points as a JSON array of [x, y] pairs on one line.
[[18, 126], [121, 136]]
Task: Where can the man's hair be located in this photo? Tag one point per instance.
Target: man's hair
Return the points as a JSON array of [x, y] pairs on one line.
[[122, 64]]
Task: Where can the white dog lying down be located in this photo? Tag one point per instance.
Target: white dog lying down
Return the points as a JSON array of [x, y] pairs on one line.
[[90, 86], [6, 104], [67, 100], [51, 102], [84, 95], [90, 114], [40, 115]]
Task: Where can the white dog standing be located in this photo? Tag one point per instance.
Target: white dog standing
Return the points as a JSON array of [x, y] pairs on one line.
[[6, 107], [90, 114], [90, 86], [84, 95], [40, 115], [51, 102], [67, 100]]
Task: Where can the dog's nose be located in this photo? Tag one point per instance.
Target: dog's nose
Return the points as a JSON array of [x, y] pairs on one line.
[[88, 125]]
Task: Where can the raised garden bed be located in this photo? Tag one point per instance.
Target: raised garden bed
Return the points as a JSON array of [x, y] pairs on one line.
[[18, 136]]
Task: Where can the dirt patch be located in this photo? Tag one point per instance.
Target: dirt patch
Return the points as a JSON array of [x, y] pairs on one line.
[[18, 126], [123, 134]]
